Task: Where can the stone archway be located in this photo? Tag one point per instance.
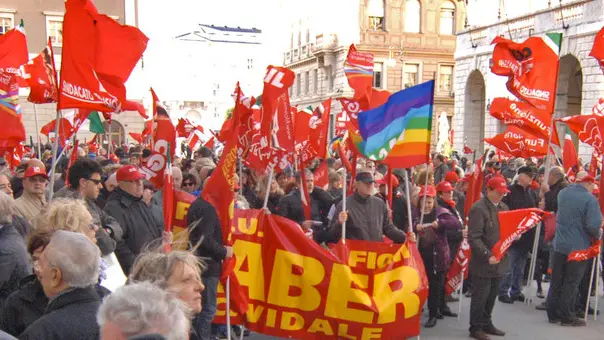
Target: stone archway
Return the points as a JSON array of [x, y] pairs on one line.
[[569, 93], [474, 111], [116, 134]]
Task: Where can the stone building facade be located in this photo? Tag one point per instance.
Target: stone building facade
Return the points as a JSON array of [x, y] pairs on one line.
[[580, 79], [412, 41]]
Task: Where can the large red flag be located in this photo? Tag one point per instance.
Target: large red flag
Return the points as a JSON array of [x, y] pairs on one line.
[[531, 68], [514, 223], [220, 192], [597, 51], [39, 74], [519, 143], [570, 160], [358, 69], [276, 82], [459, 266], [13, 50], [585, 254], [525, 116], [588, 128], [282, 133], [164, 133], [319, 124], [98, 56]]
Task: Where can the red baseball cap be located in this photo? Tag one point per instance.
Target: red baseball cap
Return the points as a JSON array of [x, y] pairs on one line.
[[444, 186], [428, 191], [34, 170], [451, 176], [498, 183], [129, 173], [586, 179], [466, 178]]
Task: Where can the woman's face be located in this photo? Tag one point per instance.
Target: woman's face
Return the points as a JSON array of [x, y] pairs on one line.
[[429, 205], [274, 186], [447, 196], [186, 283]]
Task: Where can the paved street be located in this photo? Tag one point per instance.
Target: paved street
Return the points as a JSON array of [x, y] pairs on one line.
[[519, 321]]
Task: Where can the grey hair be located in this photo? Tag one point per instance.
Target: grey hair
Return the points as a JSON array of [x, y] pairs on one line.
[[7, 208], [557, 171], [75, 256], [157, 267], [143, 308]]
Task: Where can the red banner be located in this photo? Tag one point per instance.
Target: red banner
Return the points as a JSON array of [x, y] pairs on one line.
[[597, 51], [585, 254], [525, 116], [459, 266], [182, 202], [297, 289], [39, 74], [519, 143], [358, 68], [276, 83], [589, 128], [154, 168], [514, 223], [531, 67]]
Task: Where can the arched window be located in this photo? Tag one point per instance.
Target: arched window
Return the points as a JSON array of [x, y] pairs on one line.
[[375, 10], [413, 16], [447, 18]]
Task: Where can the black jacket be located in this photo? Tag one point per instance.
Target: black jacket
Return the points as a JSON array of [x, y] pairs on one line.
[[72, 315], [140, 226], [551, 197], [290, 206], [109, 229], [400, 213], [27, 305], [453, 236], [14, 261], [203, 221], [522, 198]]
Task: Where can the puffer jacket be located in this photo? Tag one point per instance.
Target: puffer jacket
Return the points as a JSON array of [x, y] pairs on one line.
[[437, 256]]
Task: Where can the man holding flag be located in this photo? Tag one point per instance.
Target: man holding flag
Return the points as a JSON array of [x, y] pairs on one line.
[[577, 222]]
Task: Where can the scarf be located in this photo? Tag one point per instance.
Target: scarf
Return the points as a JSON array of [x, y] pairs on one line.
[[450, 203]]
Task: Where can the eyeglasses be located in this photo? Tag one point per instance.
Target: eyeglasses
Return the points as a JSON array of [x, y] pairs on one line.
[[95, 181], [188, 184]]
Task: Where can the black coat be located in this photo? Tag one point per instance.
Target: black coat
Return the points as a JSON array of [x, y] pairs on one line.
[[522, 198], [483, 233], [27, 305], [290, 206], [203, 221], [551, 197], [139, 224], [72, 315], [14, 261]]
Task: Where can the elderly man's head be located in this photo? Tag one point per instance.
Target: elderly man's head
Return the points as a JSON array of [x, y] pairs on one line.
[[177, 176], [556, 173], [139, 309], [35, 180], [69, 261], [7, 206], [130, 180], [5, 185]]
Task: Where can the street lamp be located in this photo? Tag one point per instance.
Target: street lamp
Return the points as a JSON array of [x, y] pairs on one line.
[[391, 61]]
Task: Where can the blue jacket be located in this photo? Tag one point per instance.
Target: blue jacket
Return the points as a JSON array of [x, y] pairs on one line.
[[578, 219]]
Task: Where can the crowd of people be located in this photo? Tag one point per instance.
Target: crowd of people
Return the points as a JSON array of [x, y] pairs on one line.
[[86, 260]]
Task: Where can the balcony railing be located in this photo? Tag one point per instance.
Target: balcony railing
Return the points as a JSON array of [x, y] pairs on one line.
[[539, 22], [299, 53]]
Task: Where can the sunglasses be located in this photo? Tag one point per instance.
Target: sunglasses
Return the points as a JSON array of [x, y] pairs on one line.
[[95, 181], [188, 184]]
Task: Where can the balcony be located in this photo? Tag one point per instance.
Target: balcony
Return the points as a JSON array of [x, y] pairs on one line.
[[588, 13], [300, 53], [326, 42]]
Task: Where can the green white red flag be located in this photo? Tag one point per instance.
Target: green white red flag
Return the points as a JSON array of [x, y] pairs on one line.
[[531, 68]]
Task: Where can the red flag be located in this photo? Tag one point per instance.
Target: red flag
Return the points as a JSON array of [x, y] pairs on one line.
[[358, 69], [66, 130], [525, 116], [570, 160], [11, 129], [519, 143], [220, 192], [319, 124], [276, 82], [593, 165], [210, 143], [13, 50], [168, 197], [467, 150], [459, 266], [129, 105], [531, 68], [39, 74], [14, 155], [164, 133], [597, 51], [321, 175], [147, 130], [351, 108], [136, 136], [154, 168], [588, 128], [586, 254], [282, 133], [513, 224], [98, 56]]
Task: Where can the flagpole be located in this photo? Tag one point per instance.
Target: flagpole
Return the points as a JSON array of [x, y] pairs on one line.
[[597, 260], [268, 187], [109, 137], [228, 307], [344, 207], [407, 190], [591, 279], [463, 273], [533, 264], [54, 155], [37, 133], [421, 219]]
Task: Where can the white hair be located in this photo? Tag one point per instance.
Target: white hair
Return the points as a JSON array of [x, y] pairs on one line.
[[75, 256], [7, 208], [143, 308]]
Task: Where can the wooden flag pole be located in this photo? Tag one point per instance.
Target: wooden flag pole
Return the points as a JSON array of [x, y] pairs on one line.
[[344, 207], [228, 306], [597, 261], [268, 187], [37, 133], [55, 147], [591, 280]]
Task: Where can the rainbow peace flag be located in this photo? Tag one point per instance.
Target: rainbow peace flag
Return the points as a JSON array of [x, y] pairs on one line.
[[398, 132]]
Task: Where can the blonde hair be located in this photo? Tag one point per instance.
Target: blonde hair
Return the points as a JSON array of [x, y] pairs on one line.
[[262, 186], [64, 214], [157, 267]]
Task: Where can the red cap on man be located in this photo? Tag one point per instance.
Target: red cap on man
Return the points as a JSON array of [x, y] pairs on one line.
[[444, 186], [451, 176], [34, 170], [586, 179], [129, 173], [498, 183]]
